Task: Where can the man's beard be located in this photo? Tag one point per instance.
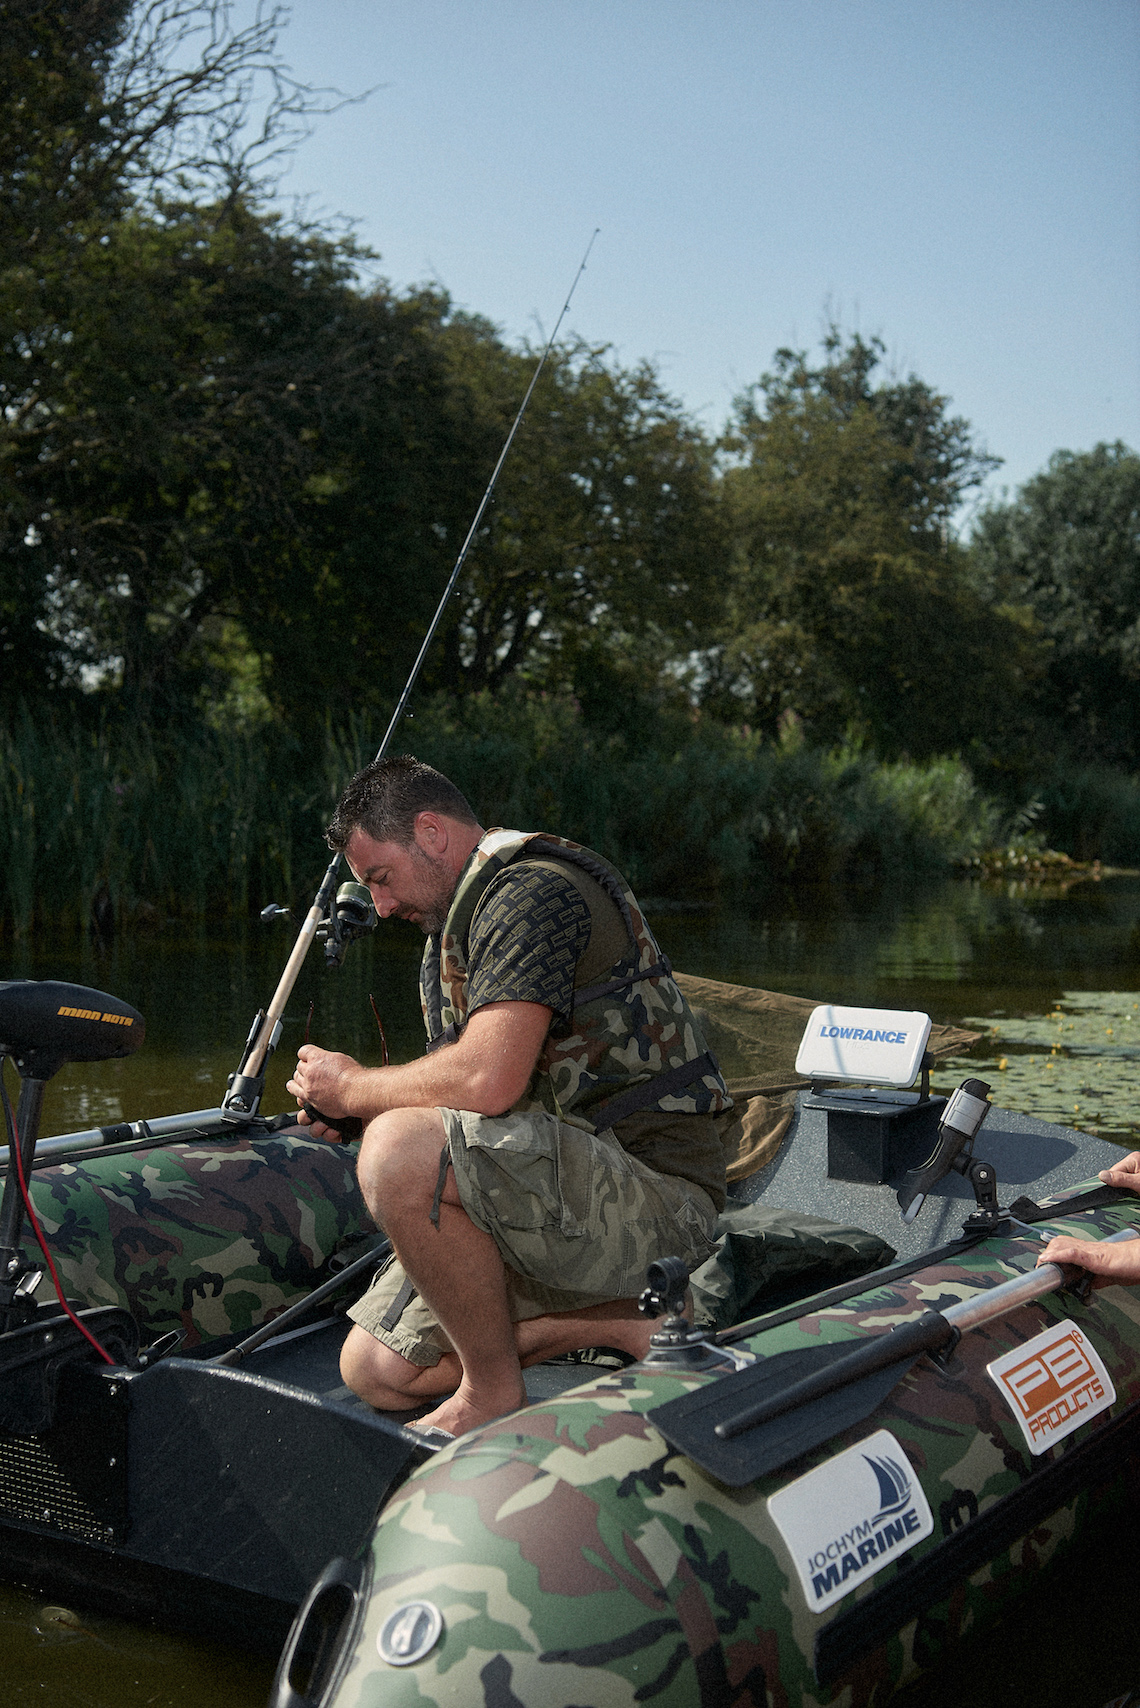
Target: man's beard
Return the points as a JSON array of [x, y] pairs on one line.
[[433, 903]]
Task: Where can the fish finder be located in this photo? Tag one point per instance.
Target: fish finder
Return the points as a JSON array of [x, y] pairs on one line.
[[863, 1064]]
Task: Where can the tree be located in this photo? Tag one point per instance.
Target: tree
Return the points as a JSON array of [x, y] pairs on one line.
[[851, 604], [1067, 548], [239, 437], [600, 562], [105, 108]]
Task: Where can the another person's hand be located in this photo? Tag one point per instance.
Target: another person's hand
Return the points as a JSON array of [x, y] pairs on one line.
[[323, 1079], [1126, 1172], [1107, 1264]]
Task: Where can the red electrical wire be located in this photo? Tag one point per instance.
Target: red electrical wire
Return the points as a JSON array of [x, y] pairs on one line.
[[14, 1151]]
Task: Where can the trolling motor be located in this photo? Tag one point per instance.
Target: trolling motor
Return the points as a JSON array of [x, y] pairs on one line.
[[43, 1025], [954, 1149]]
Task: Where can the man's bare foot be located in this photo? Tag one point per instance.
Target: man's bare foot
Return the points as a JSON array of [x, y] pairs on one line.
[[469, 1407]]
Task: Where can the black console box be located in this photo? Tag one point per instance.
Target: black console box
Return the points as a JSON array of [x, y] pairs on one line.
[[874, 1136]]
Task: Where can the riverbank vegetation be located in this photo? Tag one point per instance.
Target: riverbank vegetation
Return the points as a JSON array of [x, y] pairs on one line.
[[236, 468]]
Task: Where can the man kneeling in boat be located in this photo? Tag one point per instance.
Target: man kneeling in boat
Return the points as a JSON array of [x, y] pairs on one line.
[[557, 1137]]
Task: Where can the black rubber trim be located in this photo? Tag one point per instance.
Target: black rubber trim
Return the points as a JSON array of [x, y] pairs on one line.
[[1026, 1210], [871, 1621]]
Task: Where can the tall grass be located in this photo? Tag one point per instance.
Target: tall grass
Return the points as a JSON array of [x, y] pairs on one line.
[[1092, 812], [193, 820], [714, 806], [181, 821]]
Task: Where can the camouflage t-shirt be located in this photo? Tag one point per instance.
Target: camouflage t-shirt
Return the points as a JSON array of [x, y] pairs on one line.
[[527, 937]]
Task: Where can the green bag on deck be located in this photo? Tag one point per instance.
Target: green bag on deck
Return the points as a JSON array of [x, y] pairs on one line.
[[768, 1257]]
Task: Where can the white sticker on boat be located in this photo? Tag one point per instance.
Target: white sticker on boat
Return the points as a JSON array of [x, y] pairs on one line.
[[1053, 1384], [847, 1519]]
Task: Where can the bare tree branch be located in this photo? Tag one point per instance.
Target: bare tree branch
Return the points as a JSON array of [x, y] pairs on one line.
[[198, 105]]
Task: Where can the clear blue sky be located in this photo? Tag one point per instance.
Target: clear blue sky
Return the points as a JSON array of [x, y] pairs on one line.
[[960, 177]]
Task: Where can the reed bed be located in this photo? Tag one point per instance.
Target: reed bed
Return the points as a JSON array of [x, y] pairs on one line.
[[187, 821]]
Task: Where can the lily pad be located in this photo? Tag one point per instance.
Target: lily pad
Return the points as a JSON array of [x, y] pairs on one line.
[[1078, 1064]]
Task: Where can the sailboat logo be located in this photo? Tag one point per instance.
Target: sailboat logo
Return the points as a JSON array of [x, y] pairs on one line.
[[851, 1517], [894, 1487]]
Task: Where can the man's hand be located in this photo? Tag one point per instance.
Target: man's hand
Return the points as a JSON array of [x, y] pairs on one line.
[[1126, 1172], [487, 1070], [325, 1079]]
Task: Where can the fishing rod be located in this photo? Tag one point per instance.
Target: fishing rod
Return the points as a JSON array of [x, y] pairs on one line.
[[351, 914]]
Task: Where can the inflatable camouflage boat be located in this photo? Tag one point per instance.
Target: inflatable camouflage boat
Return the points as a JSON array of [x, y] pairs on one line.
[[809, 1505]]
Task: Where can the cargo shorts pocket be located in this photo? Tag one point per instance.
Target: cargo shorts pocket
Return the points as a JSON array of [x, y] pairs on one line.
[[528, 1172]]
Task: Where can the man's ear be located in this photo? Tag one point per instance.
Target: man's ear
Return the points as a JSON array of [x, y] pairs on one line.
[[430, 833]]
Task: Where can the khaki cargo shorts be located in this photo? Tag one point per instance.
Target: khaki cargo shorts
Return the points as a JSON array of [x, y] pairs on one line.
[[576, 1219]]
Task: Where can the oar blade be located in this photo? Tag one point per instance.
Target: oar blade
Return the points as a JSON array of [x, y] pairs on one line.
[[689, 1424]]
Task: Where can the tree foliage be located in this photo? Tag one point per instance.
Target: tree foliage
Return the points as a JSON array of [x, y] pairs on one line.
[[850, 605], [106, 108], [237, 436], [234, 477], [601, 557], [1067, 547]]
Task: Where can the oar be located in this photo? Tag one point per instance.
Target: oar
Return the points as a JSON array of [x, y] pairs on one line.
[[746, 1425]]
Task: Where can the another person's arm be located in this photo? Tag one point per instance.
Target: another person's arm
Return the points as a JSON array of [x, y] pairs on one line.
[[1124, 1173], [1108, 1263]]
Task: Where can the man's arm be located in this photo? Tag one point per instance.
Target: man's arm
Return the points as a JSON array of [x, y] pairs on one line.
[[486, 1070]]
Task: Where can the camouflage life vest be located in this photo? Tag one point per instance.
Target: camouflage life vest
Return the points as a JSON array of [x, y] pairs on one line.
[[632, 1042]]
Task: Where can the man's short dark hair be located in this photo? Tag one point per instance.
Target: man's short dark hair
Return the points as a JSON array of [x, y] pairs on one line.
[[385, 799]]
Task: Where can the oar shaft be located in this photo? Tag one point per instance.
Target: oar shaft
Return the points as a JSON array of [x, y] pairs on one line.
[[902, 1345], [293, 1313], [1020, 1290], [899, 1345]]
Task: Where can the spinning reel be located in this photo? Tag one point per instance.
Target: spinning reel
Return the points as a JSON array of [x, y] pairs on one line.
[[351, 915]]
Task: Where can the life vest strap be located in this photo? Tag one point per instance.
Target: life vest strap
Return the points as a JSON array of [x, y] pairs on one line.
[[642, 1096]]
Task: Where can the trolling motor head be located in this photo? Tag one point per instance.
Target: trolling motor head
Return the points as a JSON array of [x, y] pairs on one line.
[[44, 1023]]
